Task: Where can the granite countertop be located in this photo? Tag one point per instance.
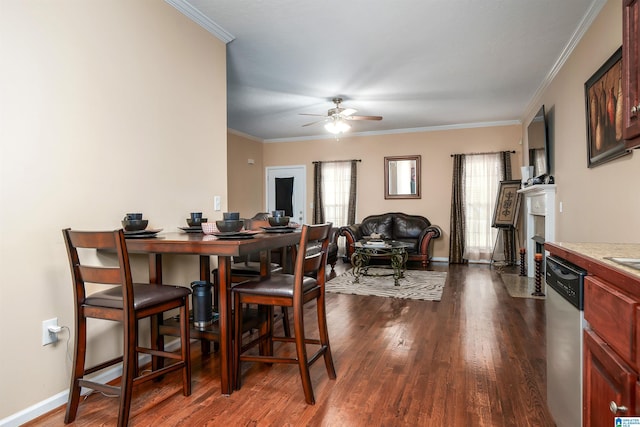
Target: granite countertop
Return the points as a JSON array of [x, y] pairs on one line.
[[602, 251]]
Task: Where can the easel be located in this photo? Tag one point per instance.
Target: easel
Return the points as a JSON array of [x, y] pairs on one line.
[[506, 232], [505, 219]]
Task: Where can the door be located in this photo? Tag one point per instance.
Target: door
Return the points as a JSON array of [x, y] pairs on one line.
[[278, 180]]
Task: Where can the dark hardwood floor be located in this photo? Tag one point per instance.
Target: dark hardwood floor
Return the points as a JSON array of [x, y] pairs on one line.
[[476, 358]]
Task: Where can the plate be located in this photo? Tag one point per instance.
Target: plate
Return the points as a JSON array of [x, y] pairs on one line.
[[234, 233], [235, 236], [142, 232], [279, 229], [194, 229]]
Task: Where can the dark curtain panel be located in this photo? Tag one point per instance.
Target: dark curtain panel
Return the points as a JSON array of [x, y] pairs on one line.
[[457, 226], [284, 195], [318, 203], [352, 193]]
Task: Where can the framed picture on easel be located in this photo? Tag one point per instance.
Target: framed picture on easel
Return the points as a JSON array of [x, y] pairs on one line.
[[505, 214]]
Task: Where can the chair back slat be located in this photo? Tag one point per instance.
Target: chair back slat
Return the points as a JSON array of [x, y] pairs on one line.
[[312, 263], [82, 273]]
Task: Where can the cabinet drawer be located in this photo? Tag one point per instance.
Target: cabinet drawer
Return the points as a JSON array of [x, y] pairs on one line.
[[538, 205], [612, 315]]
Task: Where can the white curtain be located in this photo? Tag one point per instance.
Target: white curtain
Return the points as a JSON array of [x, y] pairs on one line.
[[483, 173], [336, 185]]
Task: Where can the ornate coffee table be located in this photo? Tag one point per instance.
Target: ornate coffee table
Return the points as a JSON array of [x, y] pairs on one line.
[[365, 250]]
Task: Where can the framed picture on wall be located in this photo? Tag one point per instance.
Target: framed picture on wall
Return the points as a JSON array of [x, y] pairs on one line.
[[505, 214], [603, 96]]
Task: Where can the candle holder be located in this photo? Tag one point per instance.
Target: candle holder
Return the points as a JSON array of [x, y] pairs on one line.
[[538, 292], [523, 251]]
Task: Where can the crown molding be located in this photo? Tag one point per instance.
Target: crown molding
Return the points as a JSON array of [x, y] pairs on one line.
[[199, 18], [586, 22]]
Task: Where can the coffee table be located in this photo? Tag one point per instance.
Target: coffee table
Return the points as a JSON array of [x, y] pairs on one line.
[[393, 250]]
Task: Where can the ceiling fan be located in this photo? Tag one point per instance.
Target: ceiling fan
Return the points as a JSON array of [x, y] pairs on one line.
[[336, 118]]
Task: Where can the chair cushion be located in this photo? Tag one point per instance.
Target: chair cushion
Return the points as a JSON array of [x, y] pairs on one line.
[[405, 227], [280, 285], [144, 295], [380, 224]]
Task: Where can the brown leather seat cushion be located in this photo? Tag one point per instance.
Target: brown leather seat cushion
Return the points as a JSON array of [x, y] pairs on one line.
[[280, 285], [144, 295]]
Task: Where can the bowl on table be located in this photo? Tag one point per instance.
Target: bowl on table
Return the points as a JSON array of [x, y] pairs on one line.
[[230, 215], [229, 225], [278, 221], [196, 222], [134, 224]]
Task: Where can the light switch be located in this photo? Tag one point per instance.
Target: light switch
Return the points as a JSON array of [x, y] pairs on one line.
[[216, 203]]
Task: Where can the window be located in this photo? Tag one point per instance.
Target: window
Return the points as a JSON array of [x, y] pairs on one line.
[[482, 175], [336, 187]]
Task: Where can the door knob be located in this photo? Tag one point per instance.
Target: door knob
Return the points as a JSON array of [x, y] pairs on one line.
[[614, 408]]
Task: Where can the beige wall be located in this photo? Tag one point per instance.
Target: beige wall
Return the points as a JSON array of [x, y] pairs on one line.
[[107, 107], [600, 204], [246, 181], [434, 147]]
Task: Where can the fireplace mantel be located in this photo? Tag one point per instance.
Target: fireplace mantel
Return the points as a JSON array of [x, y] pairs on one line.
[[540, 219]]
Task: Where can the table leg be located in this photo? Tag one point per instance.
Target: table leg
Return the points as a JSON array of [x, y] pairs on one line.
[[157, 340], [224, 281]]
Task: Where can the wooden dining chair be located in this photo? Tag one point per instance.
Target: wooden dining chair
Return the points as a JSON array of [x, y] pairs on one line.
[[289, 290], [125, 302]]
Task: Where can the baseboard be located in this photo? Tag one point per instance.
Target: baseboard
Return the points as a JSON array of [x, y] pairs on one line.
[[60, 399]]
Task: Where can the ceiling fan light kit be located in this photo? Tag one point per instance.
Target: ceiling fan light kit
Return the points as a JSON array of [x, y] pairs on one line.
[[338, 116], [337, 126]]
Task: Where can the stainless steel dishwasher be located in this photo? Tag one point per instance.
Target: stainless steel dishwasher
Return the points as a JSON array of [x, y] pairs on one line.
[[564, 325]]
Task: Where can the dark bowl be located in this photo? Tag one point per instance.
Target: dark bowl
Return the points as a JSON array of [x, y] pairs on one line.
[[134, 224], [231, 215], [278, 221], [195, 222], [226, 226]]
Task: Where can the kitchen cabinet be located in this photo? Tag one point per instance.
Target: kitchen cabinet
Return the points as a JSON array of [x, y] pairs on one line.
[[631, 73], [608, 381], [611, 350]]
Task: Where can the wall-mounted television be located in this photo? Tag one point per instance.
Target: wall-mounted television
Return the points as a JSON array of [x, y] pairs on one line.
[[539, 149]]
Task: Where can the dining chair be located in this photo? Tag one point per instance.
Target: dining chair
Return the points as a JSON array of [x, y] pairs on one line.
[[249, 267], [125, 302], [307, 283]]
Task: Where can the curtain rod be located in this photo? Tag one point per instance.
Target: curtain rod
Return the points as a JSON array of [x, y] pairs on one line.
[[490, 152], [336, 161]]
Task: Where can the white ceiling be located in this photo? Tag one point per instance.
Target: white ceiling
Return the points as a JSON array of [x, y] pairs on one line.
[[418, 63]]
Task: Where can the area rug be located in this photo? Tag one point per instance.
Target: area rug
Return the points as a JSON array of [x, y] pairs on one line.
[[520, 286], [416, 284]]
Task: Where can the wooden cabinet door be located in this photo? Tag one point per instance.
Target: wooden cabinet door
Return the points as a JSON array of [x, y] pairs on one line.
[[606, 379], [631, 73]]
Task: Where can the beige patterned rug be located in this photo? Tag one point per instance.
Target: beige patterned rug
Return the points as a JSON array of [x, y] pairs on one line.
[[416, 284], [520, 286]]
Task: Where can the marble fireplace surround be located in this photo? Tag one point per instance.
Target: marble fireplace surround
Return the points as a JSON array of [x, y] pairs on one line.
[[540, 220]]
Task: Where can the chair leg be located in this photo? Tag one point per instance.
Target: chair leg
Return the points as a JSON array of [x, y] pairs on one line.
[[129, 364], [301, 352], [324, 337], [78, 370], [185, 348], [285, 322], [237, 341]]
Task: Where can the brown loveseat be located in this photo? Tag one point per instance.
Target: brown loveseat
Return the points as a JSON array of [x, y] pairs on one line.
[[413, 229]]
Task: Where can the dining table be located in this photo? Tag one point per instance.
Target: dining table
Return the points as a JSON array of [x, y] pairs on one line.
[[205, 246]]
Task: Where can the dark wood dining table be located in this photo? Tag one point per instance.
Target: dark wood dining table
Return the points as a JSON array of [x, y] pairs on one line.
[[206, 246]]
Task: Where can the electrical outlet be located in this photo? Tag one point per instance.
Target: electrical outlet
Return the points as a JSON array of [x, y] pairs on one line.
[[49, 337]]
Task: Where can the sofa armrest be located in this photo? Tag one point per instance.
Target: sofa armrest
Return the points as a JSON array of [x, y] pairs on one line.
[[352, 234], [424, 240]]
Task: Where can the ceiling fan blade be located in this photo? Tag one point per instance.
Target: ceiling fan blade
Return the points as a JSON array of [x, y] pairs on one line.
[[308, 114], [313, 123], [363, 117], [348, 111]]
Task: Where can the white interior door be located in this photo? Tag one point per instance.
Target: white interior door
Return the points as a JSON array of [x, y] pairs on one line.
[[299, 175]]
